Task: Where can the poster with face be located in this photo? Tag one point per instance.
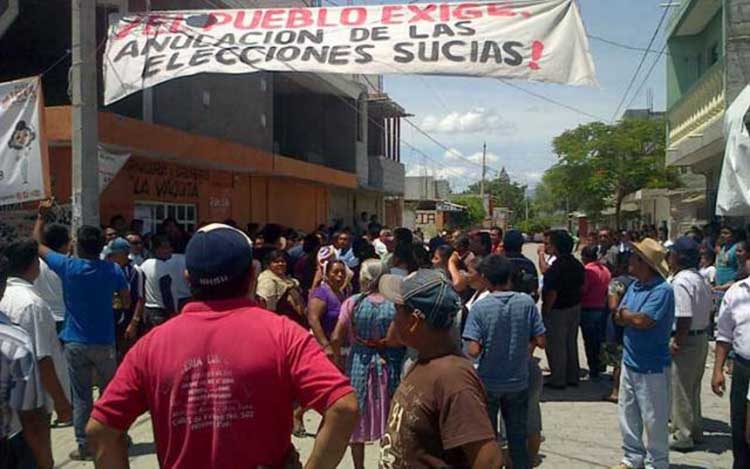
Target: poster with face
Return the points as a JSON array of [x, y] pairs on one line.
[[22, 152]]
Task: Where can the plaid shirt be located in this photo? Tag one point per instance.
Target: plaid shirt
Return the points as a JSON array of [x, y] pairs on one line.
[[20, 387]]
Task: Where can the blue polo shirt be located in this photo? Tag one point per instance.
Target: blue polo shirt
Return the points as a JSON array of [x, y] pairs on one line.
[[647, 350], [88, 289], [503, 323]]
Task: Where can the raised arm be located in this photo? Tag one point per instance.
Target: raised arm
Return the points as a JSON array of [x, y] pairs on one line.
[[457, 278], [38, 234]]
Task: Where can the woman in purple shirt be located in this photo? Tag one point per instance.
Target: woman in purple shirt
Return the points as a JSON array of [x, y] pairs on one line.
[[325, 303]]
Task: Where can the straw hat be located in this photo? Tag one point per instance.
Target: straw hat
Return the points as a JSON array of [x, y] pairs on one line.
[[653, 254]]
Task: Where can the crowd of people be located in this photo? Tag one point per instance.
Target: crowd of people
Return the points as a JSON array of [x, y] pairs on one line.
[[427, 348]]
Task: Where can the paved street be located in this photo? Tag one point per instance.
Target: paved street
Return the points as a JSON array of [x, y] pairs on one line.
[[581, 431]]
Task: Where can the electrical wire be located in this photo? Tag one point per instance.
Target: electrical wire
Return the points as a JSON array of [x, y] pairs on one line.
[[648, 75], [640, 64], [550, 100]]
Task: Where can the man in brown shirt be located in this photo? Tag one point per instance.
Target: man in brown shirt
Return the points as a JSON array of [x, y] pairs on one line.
[[438, 416]]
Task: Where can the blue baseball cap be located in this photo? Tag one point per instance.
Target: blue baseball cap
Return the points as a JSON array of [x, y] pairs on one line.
[[513, 240], [118, 246], [426, 291], [217, 254], [685, 245], [688, 248]]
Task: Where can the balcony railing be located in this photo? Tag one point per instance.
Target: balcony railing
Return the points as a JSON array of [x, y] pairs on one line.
[[699, 107]]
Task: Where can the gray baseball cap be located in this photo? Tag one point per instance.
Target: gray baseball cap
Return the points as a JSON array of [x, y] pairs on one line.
[[427, 291]]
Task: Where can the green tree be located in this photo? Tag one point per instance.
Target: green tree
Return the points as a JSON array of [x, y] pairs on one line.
[[504, 193], [599, 164], [474, 214]]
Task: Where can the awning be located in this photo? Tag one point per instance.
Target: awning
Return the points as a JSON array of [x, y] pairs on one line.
[[626, 207], [695, 199]]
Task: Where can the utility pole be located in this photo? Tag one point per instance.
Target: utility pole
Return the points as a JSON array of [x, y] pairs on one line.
[[85, 132], [484, 170], [526, 200]]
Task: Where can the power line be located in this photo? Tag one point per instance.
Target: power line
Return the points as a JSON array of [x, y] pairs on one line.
[[629, 47], [434, 140], [648, 75], [550, 100], [640, 64]]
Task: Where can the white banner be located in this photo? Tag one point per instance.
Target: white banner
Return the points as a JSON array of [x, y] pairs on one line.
[[110, 164], [733, 198], [23, 153], [542, 40]]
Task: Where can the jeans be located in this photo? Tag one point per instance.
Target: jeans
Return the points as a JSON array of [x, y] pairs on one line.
[[593, 336], [644, 408], [83, 359], [562, 345], [738, 412], [514, 407]]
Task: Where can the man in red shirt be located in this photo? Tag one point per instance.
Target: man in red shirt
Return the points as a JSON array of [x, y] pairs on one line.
[[593, 308], [221, 378]]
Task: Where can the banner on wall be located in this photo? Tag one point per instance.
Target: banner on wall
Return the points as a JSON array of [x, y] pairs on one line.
[[110, 163], [733, 197], [23, 150], [542, 40]]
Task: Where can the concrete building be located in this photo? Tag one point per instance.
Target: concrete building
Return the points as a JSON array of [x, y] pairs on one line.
[[298, 149], [426, 206], [707, 66]]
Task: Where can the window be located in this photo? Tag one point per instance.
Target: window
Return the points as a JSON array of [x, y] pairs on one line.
[[153, 213], [713, 54], [699, 63], [425, 218]]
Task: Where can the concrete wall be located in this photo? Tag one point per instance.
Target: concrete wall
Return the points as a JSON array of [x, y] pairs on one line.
[[341, 206], [370, 202], [419, 188], [326, 136], [237, 108], [737, 14], [217, 195], [387, 175]]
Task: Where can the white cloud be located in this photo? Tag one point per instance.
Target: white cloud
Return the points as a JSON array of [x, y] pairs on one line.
[[453, 154], [533, 177], [447, 172], [469, 122]]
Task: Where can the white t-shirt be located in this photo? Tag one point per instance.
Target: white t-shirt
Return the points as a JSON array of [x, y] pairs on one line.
[[180, 288], [474, 298], [380, 248], [154, 270], [49, 287], [28, 310], [709, 273], [692, 299]]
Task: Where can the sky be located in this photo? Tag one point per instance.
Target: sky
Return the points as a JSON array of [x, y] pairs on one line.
[[462, 113]]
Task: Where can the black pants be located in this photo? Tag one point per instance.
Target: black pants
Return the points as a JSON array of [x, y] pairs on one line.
[[153, 317], [15, 453], [738, 410]]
